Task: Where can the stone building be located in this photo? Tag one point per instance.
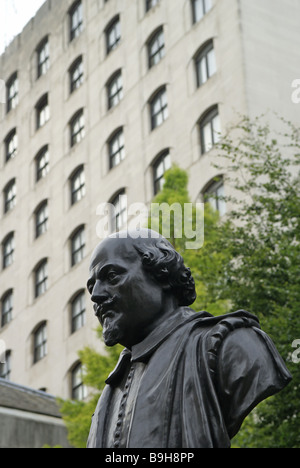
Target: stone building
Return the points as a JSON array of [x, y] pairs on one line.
[[101, 98]]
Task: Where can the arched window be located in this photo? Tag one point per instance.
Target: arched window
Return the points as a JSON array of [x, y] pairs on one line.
[[41, 278], [40, 342], [210, 128], [77, 246], [12, 91], [76, 74], [42, 163], [214, 194], [200, 8], [77, 185], [11, 145], [10, 195], [8, 249], [78, 389], [205, 63], [156, 47], [113, 34], [41, 219], [119, 211], [116, 148], [114, 89], [43, 57], [77, 311], [77, 131], [76, 20], [6, 308], [161, 165], [159, 108], [42, 111]]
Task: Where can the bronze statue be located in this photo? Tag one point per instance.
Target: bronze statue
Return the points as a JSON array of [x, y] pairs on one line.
[[184, 379]]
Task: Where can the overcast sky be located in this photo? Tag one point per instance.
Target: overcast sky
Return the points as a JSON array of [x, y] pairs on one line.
[[14, 14]]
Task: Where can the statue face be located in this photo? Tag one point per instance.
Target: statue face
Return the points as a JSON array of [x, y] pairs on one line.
[[127, 301]]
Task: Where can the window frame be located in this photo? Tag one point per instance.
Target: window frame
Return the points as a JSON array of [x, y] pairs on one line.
[[12, 100], [78, 389], [8, 249], [114, 89], [118, 217], [11, 139], [75, 13], [113, 29], [41, 225], [208, 120], [7, 314], [77, 134], [43, 57], [76, 69], [159, 180], [5, 367], [41, 285], [78, 174], [202, 55], [42, 109], [77, 252], [42, 171], [205, 5], [40, 348], [78, 313], [159, 97], [155, 40], [211, 192], [149, 4], [118, 155], [10, 202]]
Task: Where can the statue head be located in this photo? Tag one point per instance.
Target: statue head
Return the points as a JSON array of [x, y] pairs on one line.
[[137, 279]]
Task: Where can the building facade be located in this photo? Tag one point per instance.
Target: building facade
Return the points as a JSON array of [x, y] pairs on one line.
[[102, 96]]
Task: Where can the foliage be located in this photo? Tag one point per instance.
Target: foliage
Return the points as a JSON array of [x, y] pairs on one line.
[[263, 275], [77, 414]]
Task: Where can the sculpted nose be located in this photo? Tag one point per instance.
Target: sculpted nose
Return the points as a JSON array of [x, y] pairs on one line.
[[99, 294]]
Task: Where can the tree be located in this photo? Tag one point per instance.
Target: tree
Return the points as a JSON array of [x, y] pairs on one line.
[[263, 275]]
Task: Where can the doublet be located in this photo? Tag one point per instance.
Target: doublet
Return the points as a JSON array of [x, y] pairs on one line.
[[189, 384]]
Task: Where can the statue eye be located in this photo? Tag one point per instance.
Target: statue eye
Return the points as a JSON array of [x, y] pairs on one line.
[[112, 276]]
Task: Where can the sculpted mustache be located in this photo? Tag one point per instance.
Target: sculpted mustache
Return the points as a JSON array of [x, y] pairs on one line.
[[105, 305]]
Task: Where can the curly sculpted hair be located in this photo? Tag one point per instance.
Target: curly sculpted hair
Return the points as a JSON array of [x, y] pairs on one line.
[[166, 265]]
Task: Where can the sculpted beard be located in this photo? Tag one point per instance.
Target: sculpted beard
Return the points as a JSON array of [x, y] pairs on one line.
[[109, 317]]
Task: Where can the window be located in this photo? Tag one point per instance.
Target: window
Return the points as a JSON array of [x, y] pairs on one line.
[[214, 195], [41, 219], [12, 92], [115, 90], [119, 211], [78, 312], [156, 48], [5, 367], [76, 74], [40, 343], [41, 278], [43, 57], [162, 164], [150, 4], [77, 128], [77, 246], [79, 390], [77, 182], [200, 8], [116, 148], [11, 145], [10, 194], [113, 35], [76, 20], [205, 63], [8, 248], [6, 308], [42, 163], [42, 112], [159, 108], [209, 130]]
